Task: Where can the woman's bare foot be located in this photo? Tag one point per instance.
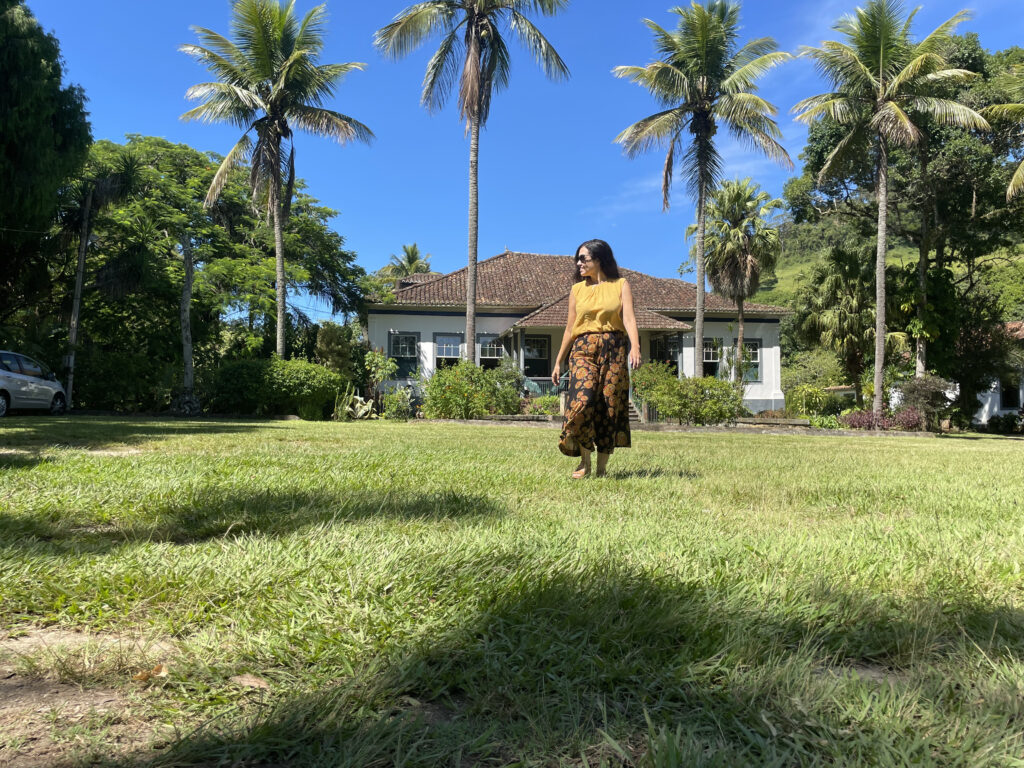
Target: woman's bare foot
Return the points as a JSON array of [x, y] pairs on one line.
[[584, 468]]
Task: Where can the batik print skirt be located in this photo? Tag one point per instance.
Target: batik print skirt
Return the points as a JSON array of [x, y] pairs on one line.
[[597, 404]]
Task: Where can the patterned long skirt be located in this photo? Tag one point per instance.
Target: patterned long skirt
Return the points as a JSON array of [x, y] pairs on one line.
[[597, 404]]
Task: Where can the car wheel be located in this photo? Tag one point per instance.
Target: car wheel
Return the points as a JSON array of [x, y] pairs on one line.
[[5, 403], [59, 405]]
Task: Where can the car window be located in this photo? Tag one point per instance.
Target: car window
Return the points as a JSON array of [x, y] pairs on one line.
[[10, 362], [30, 367]]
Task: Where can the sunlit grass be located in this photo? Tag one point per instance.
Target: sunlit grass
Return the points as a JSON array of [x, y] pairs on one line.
[[428, 594]]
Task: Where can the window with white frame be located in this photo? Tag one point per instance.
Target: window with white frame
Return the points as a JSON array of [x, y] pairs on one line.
[[751, 359], [447, 349], [712, 356], [403, 348], [491, 350], [537, 354], [665, 349]]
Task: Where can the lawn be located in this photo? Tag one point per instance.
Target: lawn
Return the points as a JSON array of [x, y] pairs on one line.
[[419, 594]]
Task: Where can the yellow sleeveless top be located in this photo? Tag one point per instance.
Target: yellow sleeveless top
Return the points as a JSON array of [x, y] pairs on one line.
[[598, 307]]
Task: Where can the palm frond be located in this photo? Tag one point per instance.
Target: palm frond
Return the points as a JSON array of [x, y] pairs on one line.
[[1014, 112], [918, 67], [329, 124], [442, 70], [701, 164], [652, 131], [414, 25], [665, 81], [834, 106], [938, 40], [233, 159], [840, 63], [892, 123], [949, 112], [543, 52], [666, 172], [225, 69], [744, 78], [843, 149], [1016, 186]]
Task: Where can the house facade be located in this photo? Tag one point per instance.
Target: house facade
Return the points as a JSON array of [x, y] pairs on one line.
[[1007, 394], [522, 306]]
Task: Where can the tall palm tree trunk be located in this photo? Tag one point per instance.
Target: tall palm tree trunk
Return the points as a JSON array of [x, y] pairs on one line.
[[275, 205], [188, 381], [698, 322], [739, 343], [920, 362], [76, 305], [474, 218], [883, 220]]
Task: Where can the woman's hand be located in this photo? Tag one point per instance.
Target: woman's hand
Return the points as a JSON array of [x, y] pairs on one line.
[[634, 358], [556, 373]]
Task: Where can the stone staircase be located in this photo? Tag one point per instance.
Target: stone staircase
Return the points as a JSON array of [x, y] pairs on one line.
[[634, 415]]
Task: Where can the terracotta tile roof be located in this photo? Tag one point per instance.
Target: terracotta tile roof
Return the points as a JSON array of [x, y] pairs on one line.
[[535, 280], [1016, 329], [555, 313], [417, 277]]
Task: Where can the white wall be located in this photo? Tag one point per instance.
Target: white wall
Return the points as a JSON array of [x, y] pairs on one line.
[[991, 400], [427, 325], [766, 394]]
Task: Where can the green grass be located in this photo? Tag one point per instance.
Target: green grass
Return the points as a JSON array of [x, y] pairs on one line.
[[434, 595]]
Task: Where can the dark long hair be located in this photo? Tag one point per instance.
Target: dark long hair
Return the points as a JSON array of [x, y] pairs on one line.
[[601, 252]]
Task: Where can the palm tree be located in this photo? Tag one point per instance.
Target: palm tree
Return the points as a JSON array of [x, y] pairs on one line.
[[269, 83], [881, 82], [473, 50], [740, 245], [409, 263], [704, 77], [1014, 82], [99, 187]]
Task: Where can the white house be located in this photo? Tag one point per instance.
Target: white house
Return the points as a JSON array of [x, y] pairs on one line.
[[522, 305], [1006, 395]]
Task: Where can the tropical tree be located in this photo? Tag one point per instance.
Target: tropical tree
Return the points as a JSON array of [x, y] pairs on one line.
[[409, 263], [100, 186], [883, 85], [473, 49], [269, 83], [741, 243], [1014, 82], [704, 78], [834, 308]]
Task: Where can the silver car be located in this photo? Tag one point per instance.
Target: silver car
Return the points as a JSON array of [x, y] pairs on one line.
[[26, 383]]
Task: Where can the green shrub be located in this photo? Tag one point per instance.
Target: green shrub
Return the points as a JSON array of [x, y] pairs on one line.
[[398, 404], [651, 376], [830, 421], [467, 391], [271, 387], [927, 395], [806, 399], [696, 401], [1006, 424], [545, 405]]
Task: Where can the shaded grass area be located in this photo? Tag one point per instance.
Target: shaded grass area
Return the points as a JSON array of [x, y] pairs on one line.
[[444, 595]]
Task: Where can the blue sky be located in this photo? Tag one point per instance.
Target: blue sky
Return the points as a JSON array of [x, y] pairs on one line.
[[550, 175]]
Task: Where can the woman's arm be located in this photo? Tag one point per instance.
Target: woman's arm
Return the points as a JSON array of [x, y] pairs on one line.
[[629, 320], [563, 350]]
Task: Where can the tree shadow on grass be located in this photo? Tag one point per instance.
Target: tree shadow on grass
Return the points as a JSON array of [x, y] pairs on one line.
[[213, 513], [556, 659], [37, 432]]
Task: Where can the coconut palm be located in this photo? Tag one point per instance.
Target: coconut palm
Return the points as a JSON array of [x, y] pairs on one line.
[[740, 245], [474, 50], [704, 78], [269, 82], [1014, 82], [882, 81], [409, 263]]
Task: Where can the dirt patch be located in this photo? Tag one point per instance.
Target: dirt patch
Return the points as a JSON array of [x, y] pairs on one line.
[[54, 723], [113, 451]]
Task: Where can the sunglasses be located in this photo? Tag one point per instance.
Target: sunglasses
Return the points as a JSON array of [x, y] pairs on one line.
[[583, 260]]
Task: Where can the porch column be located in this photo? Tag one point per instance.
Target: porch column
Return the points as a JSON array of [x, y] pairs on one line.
[[679, 356]]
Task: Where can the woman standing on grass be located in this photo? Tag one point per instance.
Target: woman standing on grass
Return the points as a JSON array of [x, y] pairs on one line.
[[600, 317]]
